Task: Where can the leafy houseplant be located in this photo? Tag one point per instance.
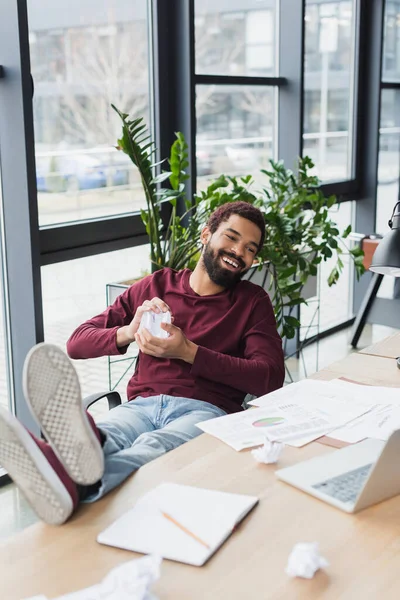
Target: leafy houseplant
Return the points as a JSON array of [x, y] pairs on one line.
[[299, 231], [171, 245]]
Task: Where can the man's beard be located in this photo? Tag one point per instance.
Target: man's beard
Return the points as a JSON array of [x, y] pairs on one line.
[[217, 273]]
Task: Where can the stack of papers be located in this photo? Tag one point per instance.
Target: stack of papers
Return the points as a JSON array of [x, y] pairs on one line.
[[295, 415], [379, 422], [302, 412]]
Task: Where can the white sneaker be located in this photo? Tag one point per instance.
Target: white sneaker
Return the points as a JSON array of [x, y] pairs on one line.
[[32, 472], [53, 392]]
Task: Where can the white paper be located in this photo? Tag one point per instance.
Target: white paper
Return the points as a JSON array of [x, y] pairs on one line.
[[152, 322], [305, 560], [294, 421], [321, 394], [380, 417], [129, 581], [208, 514], [288, 392], [379, 422], [269, 453]]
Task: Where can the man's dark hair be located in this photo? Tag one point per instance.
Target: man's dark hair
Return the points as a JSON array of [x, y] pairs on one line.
[[242, 209]]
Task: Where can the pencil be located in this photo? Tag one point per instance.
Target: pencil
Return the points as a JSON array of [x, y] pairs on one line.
[[183, 528]]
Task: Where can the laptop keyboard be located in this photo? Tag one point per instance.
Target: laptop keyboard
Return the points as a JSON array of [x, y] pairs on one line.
[[347, 486]]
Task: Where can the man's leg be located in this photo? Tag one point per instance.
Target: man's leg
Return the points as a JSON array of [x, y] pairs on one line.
[[53, 393], [48, 474], [37, 472], [120, 429], [175, 423]]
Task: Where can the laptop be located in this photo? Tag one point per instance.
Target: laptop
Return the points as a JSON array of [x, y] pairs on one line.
[[351, 478]]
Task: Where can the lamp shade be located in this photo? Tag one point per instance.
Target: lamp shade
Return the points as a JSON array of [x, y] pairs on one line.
[[386, 259]]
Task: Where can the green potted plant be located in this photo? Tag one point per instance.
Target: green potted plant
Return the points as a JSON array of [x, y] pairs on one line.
[[171, 245], [300, 231]]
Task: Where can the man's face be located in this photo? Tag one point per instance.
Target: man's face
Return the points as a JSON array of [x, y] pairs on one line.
[[230, 251]]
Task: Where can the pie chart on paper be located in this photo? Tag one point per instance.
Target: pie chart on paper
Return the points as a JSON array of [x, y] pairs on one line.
[[268, 421]]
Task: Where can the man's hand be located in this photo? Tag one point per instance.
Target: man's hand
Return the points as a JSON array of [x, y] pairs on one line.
[[175, 346], [126, 334]]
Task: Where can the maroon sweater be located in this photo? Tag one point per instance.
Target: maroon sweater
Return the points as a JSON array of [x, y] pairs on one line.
[[240, 351]]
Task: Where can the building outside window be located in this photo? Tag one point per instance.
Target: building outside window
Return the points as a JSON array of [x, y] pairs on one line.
[[82, 62]]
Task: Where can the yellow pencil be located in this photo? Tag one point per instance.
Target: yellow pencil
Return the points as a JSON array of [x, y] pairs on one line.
[[187, 531]]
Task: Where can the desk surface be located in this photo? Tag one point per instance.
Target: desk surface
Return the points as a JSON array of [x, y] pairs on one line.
[[363, 550], [365, 368], [389, 347]]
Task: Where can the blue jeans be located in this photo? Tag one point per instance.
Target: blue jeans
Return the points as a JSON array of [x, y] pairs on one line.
[[141, 430]]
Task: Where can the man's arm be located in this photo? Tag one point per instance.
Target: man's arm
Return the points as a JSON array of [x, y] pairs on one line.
[[98, 336], [260, 371], [111, 332]]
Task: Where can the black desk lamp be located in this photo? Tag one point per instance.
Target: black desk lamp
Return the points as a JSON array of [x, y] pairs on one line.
[[386, 258]]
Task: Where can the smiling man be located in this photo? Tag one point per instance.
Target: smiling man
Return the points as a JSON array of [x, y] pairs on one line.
[[221, 345]]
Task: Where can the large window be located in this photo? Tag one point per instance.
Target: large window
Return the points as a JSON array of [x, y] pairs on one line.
[[235, 122], [74, 291], [333, 305], [84, 58], [235, 129], [391, 55], [389, 158], [389, 131], [6, 400], [235, 38], [329, 83]]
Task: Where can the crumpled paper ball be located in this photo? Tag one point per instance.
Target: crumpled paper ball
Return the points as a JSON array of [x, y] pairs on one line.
[[128, 581], [268, 453], [305, 560]]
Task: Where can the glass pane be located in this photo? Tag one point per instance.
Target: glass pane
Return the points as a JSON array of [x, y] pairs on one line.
[[329, 87], [391, 46], [5, 391], [389, 158], [335, 303], [84, 57], [235, 130], [235, 37], [5, 395], [74, 291]]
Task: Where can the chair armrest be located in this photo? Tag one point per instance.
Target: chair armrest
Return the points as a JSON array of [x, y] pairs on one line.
[[114, 399]]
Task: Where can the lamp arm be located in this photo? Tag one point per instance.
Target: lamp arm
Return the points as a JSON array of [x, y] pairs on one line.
[[394, 214]]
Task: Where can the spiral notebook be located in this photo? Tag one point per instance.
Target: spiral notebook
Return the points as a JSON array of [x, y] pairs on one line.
[[179, 522]]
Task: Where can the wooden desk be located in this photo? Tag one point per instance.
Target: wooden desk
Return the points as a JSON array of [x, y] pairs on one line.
[[365, 368], [363, 549], [389, 347]]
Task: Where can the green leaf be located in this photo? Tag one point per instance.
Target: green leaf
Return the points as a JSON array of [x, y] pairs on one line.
[[333, 277], [162, 177], [346, 232], [291, 321]]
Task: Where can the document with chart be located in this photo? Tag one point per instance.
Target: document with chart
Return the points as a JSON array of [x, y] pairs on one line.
[[292, 423]]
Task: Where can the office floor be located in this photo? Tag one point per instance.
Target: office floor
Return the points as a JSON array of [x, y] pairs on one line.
[[15, 513]]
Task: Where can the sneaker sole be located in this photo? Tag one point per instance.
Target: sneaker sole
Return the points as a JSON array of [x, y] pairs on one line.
[[53, 392], [31, 472]]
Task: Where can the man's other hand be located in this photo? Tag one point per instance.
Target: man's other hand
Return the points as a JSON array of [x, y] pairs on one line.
[[175, 346], [126, 334]]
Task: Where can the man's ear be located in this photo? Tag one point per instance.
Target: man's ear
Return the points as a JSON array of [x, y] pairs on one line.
[[205, 235]]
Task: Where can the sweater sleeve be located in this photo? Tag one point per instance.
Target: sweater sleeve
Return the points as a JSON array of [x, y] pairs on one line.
[[261, 370], [98, 336]]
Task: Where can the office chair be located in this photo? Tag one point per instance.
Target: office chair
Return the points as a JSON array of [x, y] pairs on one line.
[[113, 398]]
